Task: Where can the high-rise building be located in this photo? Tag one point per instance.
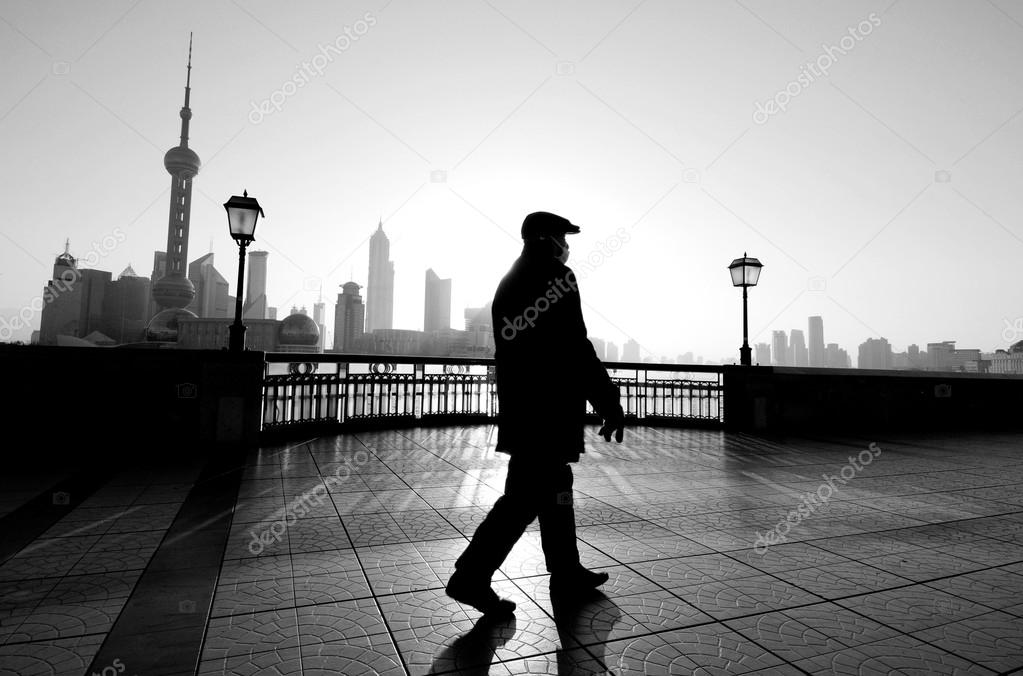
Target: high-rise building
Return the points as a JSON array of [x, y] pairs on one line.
[[612, 352], [125, 305], [437, 312], [835, 357], [480, 331], [380, 288], [174, 290], [816, 337], [780, 348], [797, 347], [319, 317], [763, 354], [875, 353], [349, 318], [630, 353], [211, 289], [944, 356], [73, 300], [599, 347], [255, 306]]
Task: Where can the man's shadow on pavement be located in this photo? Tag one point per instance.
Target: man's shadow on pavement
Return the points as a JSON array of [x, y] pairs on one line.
[[473, 652], [587, 620]]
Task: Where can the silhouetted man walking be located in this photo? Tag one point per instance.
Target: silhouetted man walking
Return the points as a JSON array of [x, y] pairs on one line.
[[546, 372]]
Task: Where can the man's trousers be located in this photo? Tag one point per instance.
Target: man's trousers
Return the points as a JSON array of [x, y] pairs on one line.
[[535, 488]]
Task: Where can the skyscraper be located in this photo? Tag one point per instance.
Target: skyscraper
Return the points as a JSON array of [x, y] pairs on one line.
[[816, 336], [255, 306], [380, 289], [73, 300], [211, 289], [836, 357], [124, 307], [612, 352], [630, 352], [875, 353], [349, 318], [797, 346], [763, 354], [780, 348], [319, 314], [599, 347], [437, 313], [174, 290]]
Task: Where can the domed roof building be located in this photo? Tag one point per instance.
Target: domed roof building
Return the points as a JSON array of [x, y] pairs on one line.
[[298, 333], [164, 326]]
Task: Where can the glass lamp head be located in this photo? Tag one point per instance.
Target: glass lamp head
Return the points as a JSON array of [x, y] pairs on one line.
[[242, 214]]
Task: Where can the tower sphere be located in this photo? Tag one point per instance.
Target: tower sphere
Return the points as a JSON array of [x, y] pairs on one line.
[[182, 162], [173, 291]]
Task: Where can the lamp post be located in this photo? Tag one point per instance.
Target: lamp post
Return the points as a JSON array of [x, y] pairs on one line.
[[242, 214], [745, 273]]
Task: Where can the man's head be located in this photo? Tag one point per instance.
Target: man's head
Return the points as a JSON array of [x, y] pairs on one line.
[[542, 226]]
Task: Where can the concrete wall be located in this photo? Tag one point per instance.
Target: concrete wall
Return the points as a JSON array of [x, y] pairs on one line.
[[110, 402], [795, 400]]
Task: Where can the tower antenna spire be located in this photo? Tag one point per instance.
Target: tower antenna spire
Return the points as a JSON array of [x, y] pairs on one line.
[[186, 112], [188, 77]]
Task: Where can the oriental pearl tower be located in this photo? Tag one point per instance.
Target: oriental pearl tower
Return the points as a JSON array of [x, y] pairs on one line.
[[174, 291]]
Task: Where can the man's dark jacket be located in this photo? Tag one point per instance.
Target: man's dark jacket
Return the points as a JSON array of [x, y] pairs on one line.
[[546, 366]]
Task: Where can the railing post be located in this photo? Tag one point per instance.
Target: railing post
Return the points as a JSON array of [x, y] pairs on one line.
[[418, 390]]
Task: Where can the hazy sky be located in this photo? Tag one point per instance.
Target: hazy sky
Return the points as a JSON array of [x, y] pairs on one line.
[[887, 196]]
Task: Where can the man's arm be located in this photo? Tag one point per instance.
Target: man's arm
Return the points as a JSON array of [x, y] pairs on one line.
[[599, 390]]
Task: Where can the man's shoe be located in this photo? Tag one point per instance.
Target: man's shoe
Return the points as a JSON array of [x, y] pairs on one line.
[[577, 581], [478, 594]]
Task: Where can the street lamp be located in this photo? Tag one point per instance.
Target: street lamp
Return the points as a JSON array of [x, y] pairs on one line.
[[745, 273], [242, 214]]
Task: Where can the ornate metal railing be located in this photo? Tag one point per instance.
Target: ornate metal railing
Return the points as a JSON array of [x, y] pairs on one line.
[[325, 389]]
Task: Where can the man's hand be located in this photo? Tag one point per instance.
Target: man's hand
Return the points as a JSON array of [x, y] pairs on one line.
[[614, 423]]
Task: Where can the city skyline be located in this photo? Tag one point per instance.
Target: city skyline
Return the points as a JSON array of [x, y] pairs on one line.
[[861, 227]]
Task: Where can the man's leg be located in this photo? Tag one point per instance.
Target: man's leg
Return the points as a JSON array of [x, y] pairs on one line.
[[494, 539], [557, 522], [557, 534], [505, 524]]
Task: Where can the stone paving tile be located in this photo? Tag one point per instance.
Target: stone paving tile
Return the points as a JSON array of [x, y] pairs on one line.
[[239, 598], [896, 655], [339, 621], [55, 657], [785, 636], [994, 640], [841, 624], [283, 662], [711, 648], [913, 608], [997, 588], [359, 656], [744, 596], [251, 633], [256, 568], [343, 585], [49, 621]]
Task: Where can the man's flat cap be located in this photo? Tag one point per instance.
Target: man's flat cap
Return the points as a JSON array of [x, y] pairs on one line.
[[544, 224]]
